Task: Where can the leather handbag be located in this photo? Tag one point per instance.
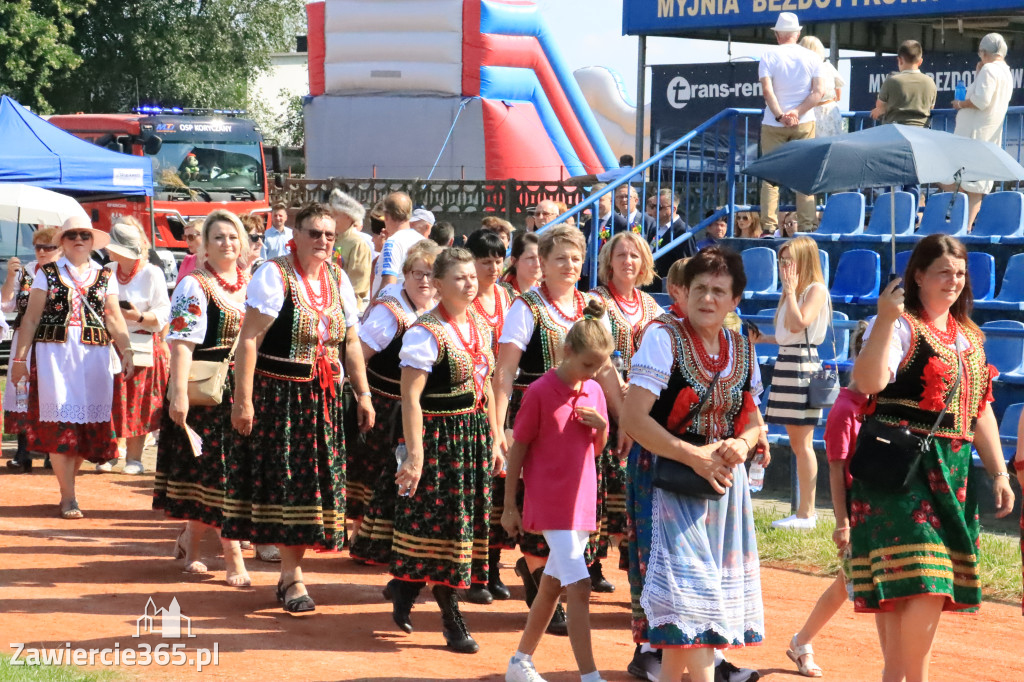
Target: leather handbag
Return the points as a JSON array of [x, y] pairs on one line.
[[823, 387], [206, 379], [681, 479], [888, 457]]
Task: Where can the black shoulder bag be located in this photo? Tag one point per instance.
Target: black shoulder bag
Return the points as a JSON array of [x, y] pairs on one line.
[[888, 457], [679, 478]]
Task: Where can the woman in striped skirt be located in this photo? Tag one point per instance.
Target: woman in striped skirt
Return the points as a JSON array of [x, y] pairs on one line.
[[801, 321]]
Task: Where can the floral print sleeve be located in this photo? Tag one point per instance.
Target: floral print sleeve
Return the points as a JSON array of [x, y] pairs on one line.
[[188, 312]]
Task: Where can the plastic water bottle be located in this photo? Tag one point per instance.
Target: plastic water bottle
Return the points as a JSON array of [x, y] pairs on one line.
[[619, 364], [401, 452], [21, 391], [755, 477], [960, 91]]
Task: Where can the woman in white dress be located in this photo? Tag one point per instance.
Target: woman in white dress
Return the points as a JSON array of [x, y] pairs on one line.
[[142, 294], [981, 115], [14, 299], [828, 122], [72, 317]]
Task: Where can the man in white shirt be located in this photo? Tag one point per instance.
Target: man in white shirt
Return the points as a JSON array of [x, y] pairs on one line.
[[401, 236], [627, 203], [277, 236], [791, 81]]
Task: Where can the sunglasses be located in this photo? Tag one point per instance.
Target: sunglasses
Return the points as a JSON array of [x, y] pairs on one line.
[[45, 248], [72, 235], [256, 238], [191, 237], [317, 234]]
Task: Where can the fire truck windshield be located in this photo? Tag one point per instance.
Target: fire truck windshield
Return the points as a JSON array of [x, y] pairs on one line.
[[202, 169]]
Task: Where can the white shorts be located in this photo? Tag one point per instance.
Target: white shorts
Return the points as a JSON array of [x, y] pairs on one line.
[[565, 562]]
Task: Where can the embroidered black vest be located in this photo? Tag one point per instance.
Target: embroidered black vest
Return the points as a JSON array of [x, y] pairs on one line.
[[900, 400], [625, 335], [717, 417], [21, 296], [223, 322], [544, 349], [450, 388], [53, 324], [383, 372], [289, 348]]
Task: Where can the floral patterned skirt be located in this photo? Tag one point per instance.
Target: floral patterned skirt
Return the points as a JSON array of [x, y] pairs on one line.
[[289, 486], [92, 441], [190, 487], [441, 531], [694, 573], [138, 405], [375, 455], [922, 541]]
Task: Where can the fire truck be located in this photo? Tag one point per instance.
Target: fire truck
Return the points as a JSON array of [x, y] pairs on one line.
[[203, 159]]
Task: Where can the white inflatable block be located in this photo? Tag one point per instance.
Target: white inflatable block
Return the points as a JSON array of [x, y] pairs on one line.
[[392, 78], [355, 16], [378, 47]]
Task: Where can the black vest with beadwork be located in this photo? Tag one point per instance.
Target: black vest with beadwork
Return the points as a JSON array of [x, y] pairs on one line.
[[383, 371], [689, 381], [544, 349], [626, 335], [223, 322], [290, 346], [906, 399], [450, 388], [53, 324], [21, 296]]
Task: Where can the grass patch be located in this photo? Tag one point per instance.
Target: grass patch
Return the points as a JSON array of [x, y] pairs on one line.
[[814, 552], [51, 673]]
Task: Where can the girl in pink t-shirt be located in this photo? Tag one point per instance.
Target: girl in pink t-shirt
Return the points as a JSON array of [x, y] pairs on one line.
[[561, 426]]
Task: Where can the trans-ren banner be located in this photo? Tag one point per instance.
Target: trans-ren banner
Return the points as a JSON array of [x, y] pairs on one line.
[[679, 16]]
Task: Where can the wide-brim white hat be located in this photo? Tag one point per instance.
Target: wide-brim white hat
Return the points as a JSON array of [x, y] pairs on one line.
[[126, 241], [100, 239], [787, 23]]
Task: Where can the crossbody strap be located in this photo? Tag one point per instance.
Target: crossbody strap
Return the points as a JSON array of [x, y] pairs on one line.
[[695, 410], [956, 384]]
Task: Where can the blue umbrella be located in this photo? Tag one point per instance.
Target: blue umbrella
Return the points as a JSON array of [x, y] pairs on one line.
[[886, 155]]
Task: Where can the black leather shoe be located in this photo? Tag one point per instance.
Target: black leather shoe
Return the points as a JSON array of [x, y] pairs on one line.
[[497, 588], [478, 594], [456, 633], [558, 625], [598, 583], [20, 467]]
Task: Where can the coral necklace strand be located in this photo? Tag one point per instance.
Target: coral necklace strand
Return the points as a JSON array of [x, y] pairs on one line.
[[628, 307], [711, 366], [577, 299], [947, 337], [497, 320], [125, 279], [230, 288], [319, 301], [472, 347]]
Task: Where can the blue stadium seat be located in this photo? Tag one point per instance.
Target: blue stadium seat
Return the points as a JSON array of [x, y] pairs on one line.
[[1008, 427], [1011, 293], [766, 352], [858, 276], [843, 215], [762, 267], [1005, 351], [1001, 217], [823, 257], [982, 269], [934, 219], [879, 228], [841, 338]]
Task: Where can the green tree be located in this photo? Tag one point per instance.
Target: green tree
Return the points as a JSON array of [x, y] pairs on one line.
[[193, 53], [34, 37]]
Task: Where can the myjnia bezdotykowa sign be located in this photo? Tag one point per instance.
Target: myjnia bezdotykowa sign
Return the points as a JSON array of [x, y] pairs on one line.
[[679, 16]]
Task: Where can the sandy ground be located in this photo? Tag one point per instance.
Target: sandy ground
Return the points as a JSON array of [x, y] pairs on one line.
[[87, 582]]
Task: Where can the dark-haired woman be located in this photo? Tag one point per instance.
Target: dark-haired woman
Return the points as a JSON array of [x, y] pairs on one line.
[[624, 265], [694, 572], [290, 489], [491, 303], [922, 338], [389, 317], [524, 265], [448, 417]]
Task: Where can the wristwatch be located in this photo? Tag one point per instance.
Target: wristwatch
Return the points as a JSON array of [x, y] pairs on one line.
[[779, 117]]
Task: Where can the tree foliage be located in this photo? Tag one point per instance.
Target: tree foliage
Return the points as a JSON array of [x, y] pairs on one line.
[[34, 37], [191, 53]]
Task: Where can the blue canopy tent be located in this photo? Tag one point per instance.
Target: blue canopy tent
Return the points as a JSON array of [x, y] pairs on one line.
[[37, 153]]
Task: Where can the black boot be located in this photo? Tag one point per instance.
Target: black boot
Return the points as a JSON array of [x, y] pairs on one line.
[[529, 584], [557, 626], [497, 588], [456, 634], [22, 460], [479, 594], [403, 595], [598, 583]]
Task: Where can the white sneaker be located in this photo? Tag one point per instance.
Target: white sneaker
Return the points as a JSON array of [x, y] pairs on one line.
[[133, 467], [107, 466], [794, 522], [522, 671]]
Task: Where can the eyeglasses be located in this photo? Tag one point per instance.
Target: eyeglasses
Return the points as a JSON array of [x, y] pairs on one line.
[[191, 236], [84, 235], [420, 276], [743, 218], [45, 248], [258, 237], [317, 234]]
